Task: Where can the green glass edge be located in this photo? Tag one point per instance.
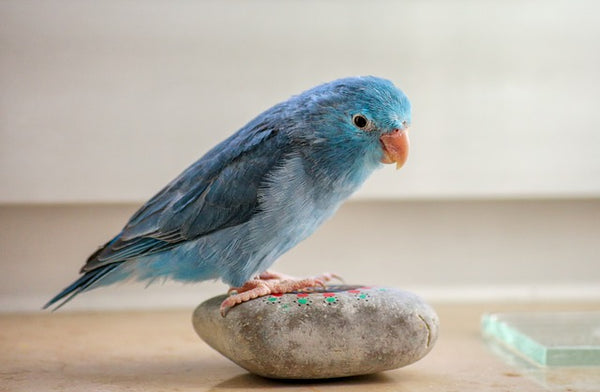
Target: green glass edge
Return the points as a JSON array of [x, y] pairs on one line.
[[514, 339], [573, 356]]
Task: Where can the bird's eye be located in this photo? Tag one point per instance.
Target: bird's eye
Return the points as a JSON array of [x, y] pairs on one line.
[[360, 121]]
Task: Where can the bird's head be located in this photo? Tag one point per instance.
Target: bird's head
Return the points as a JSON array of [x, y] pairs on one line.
[[368, 116]]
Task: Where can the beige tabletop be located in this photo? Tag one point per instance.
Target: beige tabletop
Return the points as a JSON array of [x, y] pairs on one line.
[[159, 351]]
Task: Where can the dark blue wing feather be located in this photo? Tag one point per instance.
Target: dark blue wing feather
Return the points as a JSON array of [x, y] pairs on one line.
[[218, 191]]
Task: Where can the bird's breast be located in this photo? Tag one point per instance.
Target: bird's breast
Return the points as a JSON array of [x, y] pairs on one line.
[[293, 204]]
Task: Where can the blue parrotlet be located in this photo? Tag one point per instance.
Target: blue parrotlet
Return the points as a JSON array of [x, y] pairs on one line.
[[258, 193]]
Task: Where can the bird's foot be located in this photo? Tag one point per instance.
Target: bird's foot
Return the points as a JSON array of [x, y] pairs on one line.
[[271, 283], [272, 275]]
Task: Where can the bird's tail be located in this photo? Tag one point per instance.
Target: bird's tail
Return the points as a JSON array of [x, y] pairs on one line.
[[85, 282]]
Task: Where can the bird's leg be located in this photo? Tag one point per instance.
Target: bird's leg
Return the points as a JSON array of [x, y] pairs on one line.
[[270, 275], [270, 282]]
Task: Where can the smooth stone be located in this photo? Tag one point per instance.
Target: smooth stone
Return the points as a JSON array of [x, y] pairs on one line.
[[344, 331]]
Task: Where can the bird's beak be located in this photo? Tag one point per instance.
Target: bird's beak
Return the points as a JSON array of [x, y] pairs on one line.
[[395, 147]]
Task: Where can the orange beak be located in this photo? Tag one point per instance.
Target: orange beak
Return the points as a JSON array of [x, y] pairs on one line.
[[395, 147]]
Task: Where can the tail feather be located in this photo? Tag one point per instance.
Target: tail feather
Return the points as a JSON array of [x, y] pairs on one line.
[[82, 284]]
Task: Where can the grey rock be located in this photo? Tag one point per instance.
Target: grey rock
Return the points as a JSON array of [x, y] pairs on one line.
[[343, 331]]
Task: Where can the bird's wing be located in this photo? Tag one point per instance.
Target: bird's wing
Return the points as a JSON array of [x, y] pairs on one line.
[[218, 191]]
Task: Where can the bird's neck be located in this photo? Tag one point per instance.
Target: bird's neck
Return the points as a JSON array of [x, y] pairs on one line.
[[343, 170]]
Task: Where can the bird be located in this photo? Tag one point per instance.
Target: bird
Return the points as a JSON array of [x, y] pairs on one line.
[[254, 196]]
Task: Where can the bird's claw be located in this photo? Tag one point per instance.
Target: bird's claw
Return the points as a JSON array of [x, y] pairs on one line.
[[328, 276], [251, 289]]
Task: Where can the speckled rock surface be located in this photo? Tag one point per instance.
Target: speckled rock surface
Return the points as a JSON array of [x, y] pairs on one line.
[[343, 331]]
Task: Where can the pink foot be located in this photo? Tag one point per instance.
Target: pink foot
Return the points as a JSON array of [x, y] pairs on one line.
[[271, 283], [272, 275]]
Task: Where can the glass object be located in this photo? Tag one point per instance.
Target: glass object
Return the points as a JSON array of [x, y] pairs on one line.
[[548, 339]]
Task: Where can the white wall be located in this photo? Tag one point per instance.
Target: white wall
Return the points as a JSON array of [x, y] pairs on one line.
[[107, 101]]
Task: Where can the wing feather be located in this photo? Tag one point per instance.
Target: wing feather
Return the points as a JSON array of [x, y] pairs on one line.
[[218, 191]]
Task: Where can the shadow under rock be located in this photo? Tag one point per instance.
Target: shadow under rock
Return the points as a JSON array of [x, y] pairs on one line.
[[251, 381]]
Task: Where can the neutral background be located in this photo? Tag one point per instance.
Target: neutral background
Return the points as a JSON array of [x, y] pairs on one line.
[[102, 103]]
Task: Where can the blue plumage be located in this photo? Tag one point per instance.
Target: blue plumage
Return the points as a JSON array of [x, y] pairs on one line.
[[255, 195]]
